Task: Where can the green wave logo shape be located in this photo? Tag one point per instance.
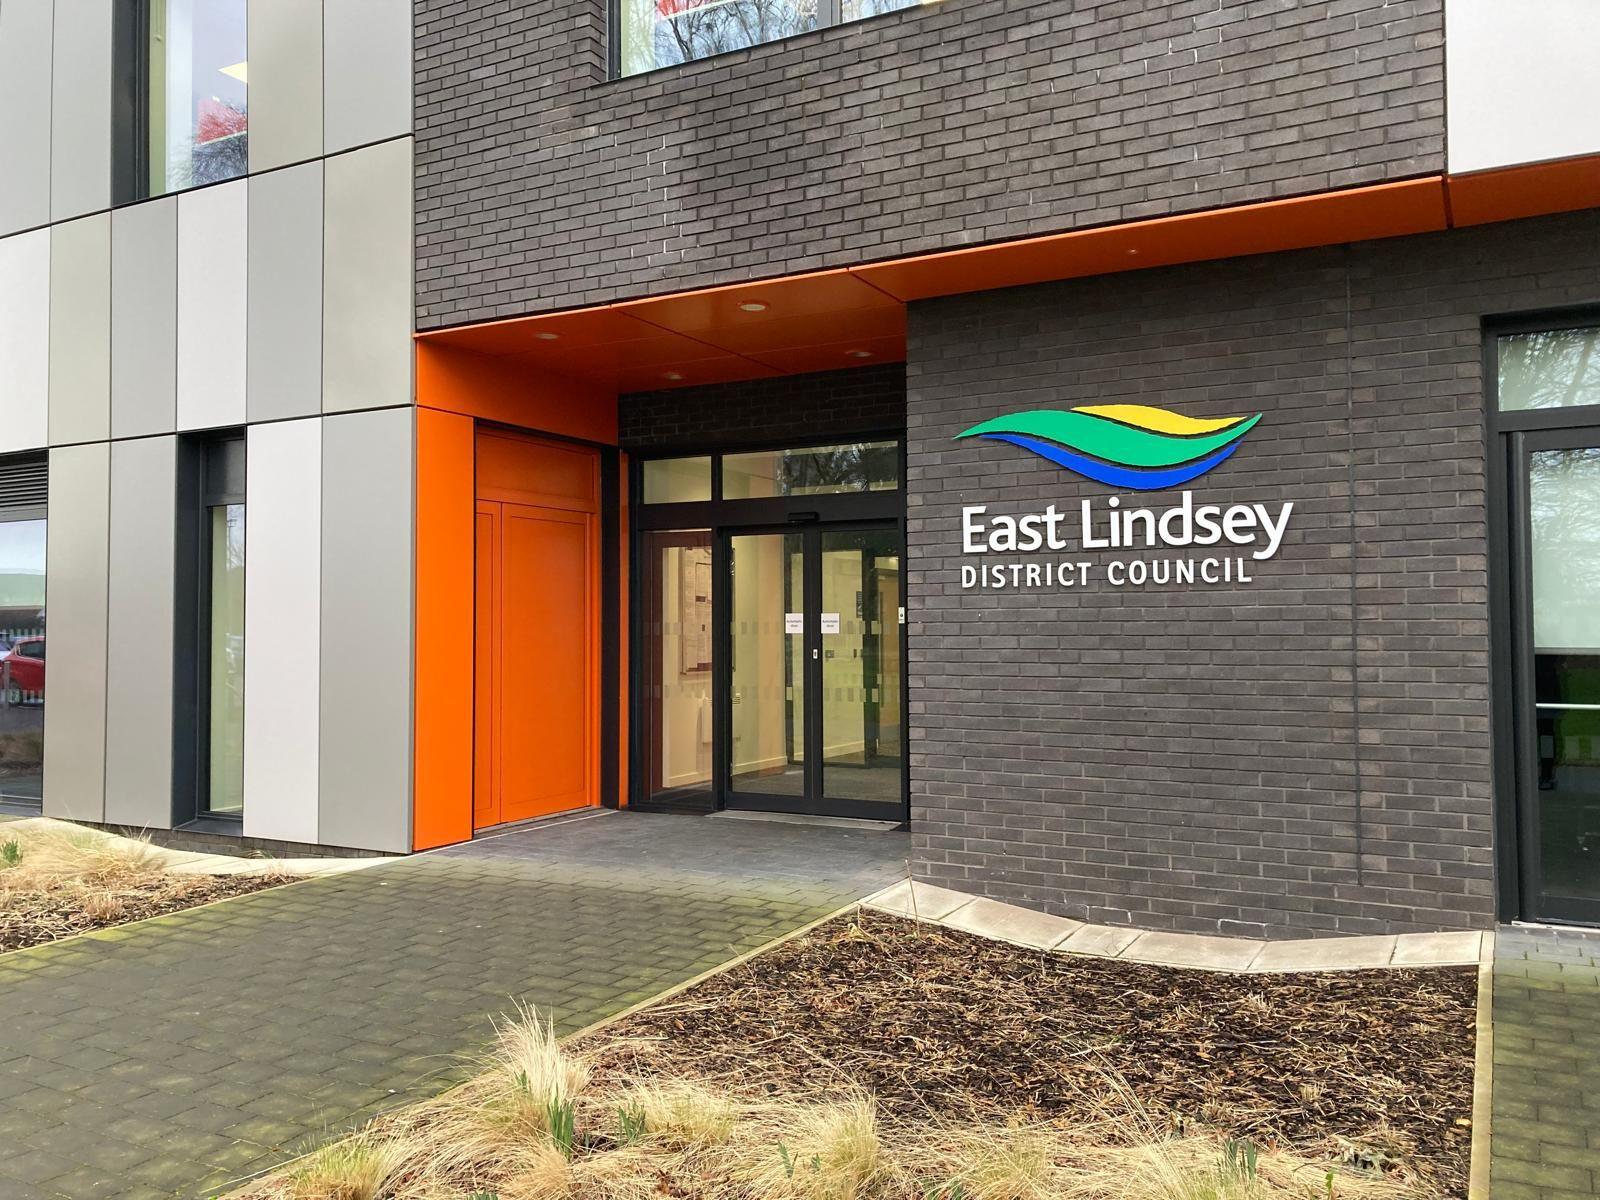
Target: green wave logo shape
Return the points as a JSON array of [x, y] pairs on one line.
[[1133, 446]]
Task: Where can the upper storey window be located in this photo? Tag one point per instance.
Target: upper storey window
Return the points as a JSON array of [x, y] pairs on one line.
[[663, 33], [182, 114]]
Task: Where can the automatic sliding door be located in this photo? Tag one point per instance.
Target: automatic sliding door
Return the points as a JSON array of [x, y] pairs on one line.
[[767, 630], [860, 694], [814, 698]]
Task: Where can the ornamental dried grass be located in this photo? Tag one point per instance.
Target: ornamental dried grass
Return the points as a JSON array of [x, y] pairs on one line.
[[642, 1138], [56, 882]]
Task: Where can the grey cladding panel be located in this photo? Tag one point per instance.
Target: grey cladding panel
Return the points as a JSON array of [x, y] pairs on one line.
[[144, 318], [284, 351], [80, 330], [139, 652], [366, 630], [367, 72], [25, 35], [75, 602], [80, 110], [285, 39], [366, 320]]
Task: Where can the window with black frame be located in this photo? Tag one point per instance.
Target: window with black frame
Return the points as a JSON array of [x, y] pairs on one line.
[[181, 117], [220, 648], [665, 33], [22, 611]]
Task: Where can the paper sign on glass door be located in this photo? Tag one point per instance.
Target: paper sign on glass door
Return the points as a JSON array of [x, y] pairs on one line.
[[794, 622], [830, 622]]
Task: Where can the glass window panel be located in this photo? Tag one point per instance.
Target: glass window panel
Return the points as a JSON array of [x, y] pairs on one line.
[[1554, 368], [814, 471], [22, 545], [225, 653], [854, 10], [662, 33], [767, 672], [196, 108], [862, 742], [677, 480], [1564, 529], [678, 713]]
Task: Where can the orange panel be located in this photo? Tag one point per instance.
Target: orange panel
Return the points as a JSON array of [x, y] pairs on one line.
[[773, 312], [1387, 210], [546, 734], [1526, 191], [485, 776], [598, 326], [526, 471], [857, 352], [624, 559], [442, 708], [725, 369], [494, 389]]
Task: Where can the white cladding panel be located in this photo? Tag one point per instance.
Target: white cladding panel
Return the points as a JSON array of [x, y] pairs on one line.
[[283, 617], [1521, 80], [24, 340], [213, 240]]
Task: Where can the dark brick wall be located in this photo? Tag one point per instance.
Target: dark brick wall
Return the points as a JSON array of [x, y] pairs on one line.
[[541, 185], [766, 412], [1310, 753]]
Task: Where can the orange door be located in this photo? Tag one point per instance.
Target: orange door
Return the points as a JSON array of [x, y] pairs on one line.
[[546, 759], [536, 697]]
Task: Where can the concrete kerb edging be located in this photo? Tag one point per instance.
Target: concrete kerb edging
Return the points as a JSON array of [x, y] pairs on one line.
[[1483, 1079], [193, 862], [1062, 935]]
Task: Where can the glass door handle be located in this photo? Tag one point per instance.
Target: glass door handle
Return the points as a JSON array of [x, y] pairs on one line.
[[1572, 707]]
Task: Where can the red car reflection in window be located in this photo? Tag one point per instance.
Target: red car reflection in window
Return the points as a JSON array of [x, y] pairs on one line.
[[22, 669]]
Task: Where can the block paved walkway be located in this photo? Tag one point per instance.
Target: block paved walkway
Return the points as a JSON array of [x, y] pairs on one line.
[[170, 1057], [1545, 1123]]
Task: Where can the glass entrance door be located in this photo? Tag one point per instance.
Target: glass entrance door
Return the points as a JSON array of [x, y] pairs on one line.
[[814, 694], [1556, 500]]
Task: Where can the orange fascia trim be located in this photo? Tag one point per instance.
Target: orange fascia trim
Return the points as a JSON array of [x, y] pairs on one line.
[[460, 381], [1356, 214], [847, 316], [1532, 190], [443, 705]]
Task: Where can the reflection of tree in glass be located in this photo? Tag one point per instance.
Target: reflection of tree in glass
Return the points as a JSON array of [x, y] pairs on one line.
[[1564, 521], [838, 468], [217, 150], [660, 33], [1554, 368], [723, 25], [854, 10]]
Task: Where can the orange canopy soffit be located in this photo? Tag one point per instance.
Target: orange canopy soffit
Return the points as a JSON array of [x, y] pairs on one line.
[[854, 316]]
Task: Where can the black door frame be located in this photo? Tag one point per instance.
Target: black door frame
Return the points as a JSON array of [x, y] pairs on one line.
[[1511, 437], [883, 509], [813, 800]]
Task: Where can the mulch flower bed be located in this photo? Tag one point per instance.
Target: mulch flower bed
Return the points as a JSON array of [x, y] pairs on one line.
[[1375, 1066], [34, 917]]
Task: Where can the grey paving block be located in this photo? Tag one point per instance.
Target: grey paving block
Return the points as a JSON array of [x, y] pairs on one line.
[[1545, 1124], [188, 1052]]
